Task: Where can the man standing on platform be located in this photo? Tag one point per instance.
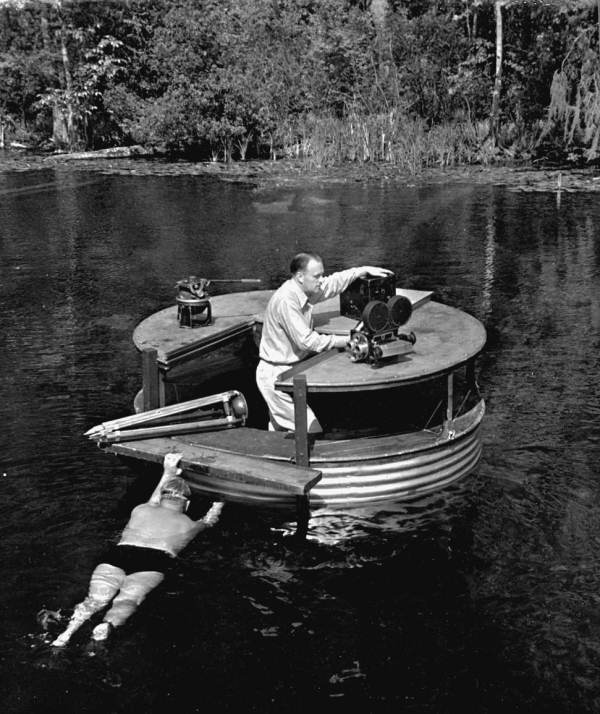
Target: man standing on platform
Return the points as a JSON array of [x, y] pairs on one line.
[[288, 335]]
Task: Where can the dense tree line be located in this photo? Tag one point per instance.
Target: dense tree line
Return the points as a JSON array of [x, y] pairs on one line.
[[410, 82]]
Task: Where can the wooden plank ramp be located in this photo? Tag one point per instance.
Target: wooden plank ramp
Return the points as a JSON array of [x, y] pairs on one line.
[[202, 461]]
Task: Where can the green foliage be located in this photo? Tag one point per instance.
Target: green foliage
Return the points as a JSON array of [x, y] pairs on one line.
[[436, 68], [26, 66], [402, 82]]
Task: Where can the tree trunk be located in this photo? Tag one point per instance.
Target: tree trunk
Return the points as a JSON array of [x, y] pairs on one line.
[[378, 11], [44, 26], [60, 129], [495, 110], [467, 21], [68, 87], [64, 129]]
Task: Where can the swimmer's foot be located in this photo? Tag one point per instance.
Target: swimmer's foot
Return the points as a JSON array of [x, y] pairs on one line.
[[102, 631], [61, 641]]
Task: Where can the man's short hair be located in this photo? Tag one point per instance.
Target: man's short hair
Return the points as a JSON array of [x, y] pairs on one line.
[[301, 260]]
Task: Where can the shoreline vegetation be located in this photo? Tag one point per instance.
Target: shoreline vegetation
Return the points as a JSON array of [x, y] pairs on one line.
[[266, 174], [415, 85]]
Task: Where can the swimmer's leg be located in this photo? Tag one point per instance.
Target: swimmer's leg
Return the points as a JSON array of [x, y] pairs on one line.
[[104, 585], [133, 591]]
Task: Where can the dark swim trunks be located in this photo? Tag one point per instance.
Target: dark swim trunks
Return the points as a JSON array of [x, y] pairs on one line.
[[133, 559]]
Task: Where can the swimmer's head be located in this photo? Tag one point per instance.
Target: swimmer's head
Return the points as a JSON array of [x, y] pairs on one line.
[[176, 489]]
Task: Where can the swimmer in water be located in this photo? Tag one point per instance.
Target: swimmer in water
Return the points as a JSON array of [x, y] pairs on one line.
[[157, 532]]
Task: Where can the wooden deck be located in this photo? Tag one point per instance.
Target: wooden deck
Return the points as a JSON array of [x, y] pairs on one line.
[[201, 463], [280, 446], [234, 314], [446, 339]]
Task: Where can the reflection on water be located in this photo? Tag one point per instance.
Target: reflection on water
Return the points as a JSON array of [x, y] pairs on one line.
[[482, 597]]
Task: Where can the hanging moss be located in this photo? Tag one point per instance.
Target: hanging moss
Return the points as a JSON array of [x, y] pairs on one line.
[[575, 98]]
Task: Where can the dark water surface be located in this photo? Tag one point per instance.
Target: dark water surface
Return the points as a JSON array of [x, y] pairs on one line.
[[482, 598]]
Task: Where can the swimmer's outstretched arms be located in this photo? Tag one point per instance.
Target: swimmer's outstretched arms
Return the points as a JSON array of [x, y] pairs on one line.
[[156, 533]]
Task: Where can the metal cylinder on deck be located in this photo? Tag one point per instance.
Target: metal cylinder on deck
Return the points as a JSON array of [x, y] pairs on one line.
[[192, 311], [393, 348]]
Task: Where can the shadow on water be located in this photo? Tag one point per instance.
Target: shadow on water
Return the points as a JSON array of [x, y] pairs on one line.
[[483, 597]]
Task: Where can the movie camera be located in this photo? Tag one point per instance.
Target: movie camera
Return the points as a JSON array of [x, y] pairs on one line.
[[381, 313], [193, 300]]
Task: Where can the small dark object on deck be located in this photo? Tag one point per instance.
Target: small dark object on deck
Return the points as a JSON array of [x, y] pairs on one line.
[[193, 303]]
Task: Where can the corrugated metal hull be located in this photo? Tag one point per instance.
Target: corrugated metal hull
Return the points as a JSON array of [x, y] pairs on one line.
[[370, 479], [408, 476]]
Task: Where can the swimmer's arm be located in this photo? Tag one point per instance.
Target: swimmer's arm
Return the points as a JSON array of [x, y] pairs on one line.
[[210, 518], [170, 469]]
